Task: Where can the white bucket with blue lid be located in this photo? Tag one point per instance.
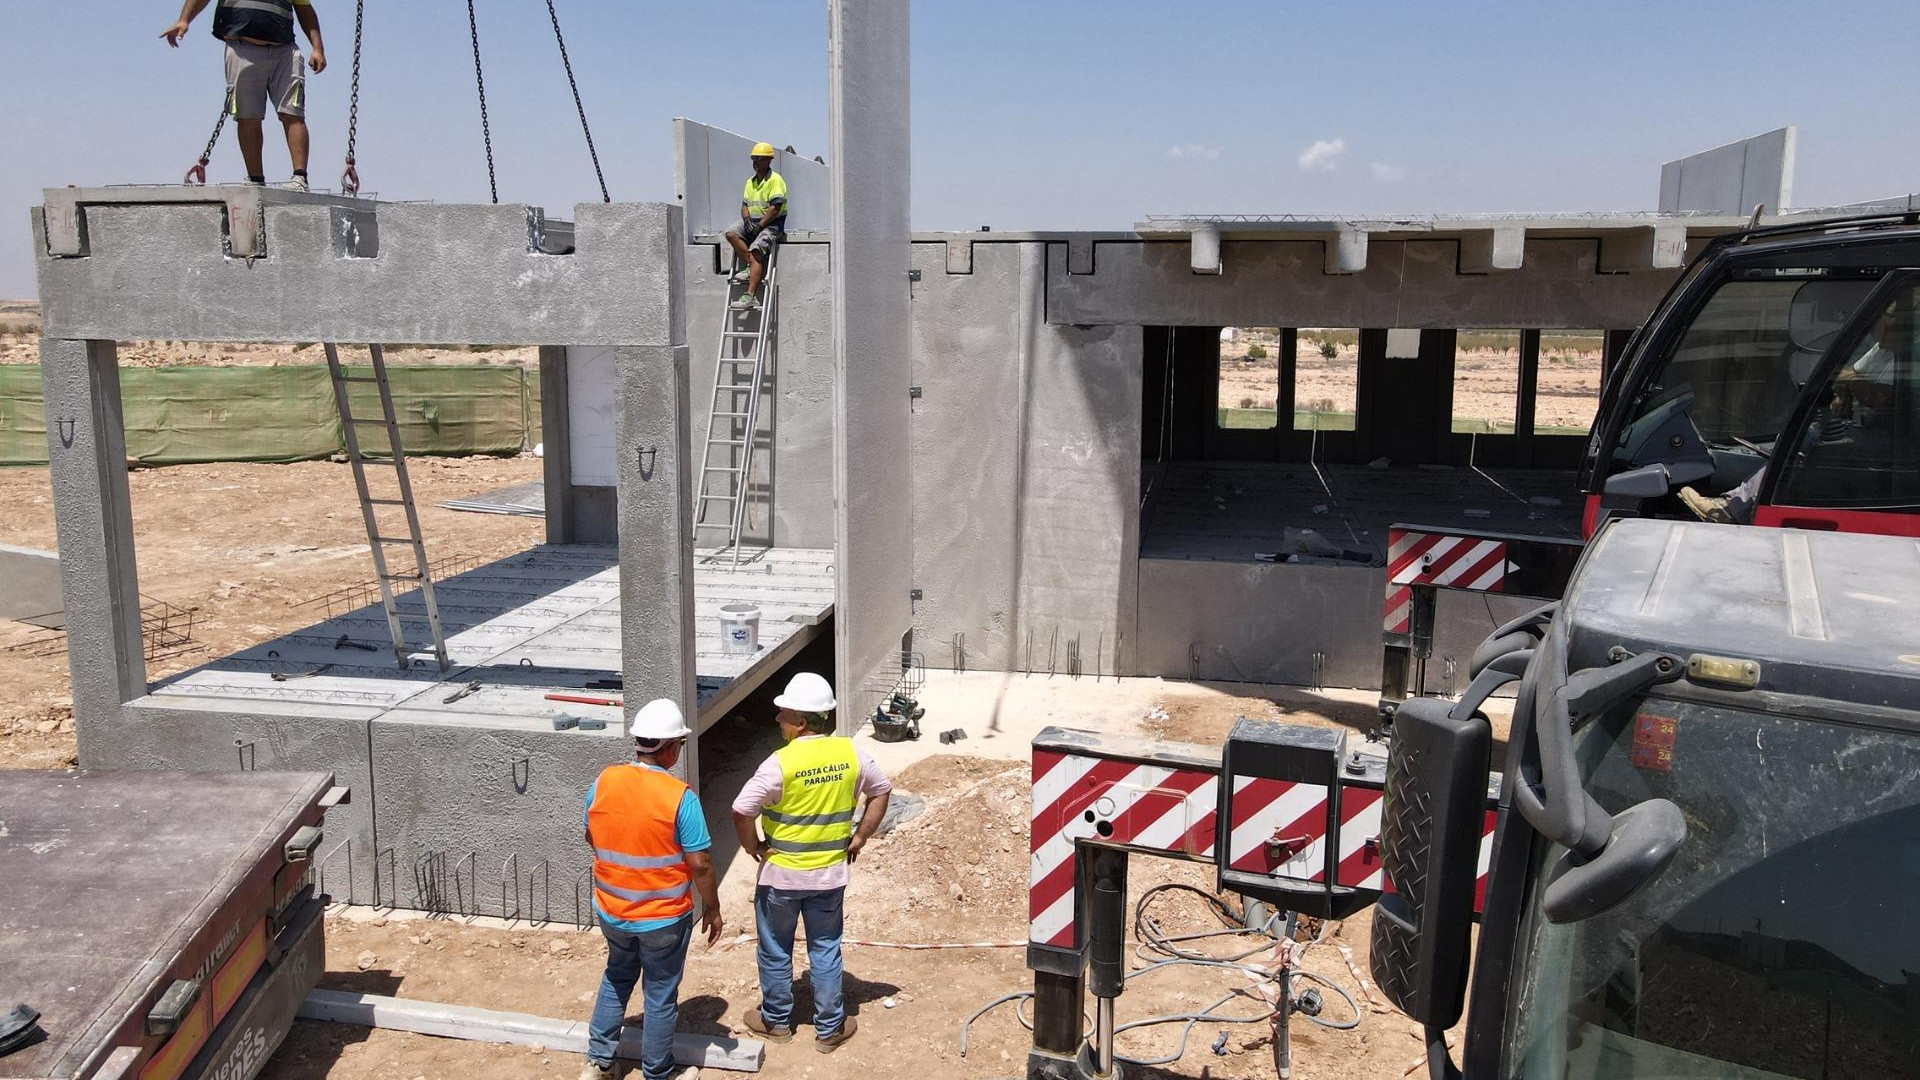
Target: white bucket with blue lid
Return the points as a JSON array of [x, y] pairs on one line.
[[739, 629]]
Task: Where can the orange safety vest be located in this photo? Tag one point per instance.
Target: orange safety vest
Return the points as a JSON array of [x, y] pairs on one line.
[[639, 870]]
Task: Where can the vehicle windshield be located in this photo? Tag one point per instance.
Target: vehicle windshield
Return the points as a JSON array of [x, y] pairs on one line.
[[1783, 940], [1738, 369]]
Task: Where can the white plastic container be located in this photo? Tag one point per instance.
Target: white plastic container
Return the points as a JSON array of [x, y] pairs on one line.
[[739, 629]]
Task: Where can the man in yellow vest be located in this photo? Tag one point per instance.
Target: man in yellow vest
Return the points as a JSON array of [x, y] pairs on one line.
[[763, 223], [805, 796], [649, 840]]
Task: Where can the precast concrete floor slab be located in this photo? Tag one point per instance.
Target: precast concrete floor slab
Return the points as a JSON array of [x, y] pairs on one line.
[[544, 621], [1238, 511]]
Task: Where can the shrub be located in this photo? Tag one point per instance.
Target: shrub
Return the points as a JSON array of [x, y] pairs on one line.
[[1328, 350], [1256, 352], [1246, 403]]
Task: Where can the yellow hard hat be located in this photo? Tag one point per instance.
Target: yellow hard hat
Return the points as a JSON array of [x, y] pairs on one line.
[[761, 149]]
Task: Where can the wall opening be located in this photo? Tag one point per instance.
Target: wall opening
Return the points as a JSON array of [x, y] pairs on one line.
[[1568, 387], [1326, 383], [1249, 378], [1486, 382]]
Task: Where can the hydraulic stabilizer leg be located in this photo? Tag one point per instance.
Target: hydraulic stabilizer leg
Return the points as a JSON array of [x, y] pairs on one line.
[[1106, 956]]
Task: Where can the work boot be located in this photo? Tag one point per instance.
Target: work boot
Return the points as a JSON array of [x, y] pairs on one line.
[[298, 183], [757, 1024], [593, 1070], [745, 303], [1707, 507], [832, 1042]]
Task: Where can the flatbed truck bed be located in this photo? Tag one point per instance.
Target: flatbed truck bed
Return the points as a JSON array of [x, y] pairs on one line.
[[163, 925]]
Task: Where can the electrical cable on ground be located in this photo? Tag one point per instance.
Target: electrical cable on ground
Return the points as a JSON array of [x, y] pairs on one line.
[[1153, 940]]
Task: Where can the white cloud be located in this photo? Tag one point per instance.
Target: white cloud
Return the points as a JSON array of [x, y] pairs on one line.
[[1387, 174], [1322, 156], [1194, 151]]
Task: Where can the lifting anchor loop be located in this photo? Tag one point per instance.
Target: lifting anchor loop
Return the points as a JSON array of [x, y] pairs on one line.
[[197, 175]]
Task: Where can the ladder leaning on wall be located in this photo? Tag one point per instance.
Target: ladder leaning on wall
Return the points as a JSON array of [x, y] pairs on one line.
[[746, 342], [377, 538]]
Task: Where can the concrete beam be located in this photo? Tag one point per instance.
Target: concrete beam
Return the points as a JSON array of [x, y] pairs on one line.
[[1347, 251], [1411, 284], [243, 207], [869, 116], [442, 274], [1662, 247], [1203, 254], [93, 516], [1488, 250]]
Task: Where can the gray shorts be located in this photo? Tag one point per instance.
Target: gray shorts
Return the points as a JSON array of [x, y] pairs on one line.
[[764, 240], [258, 74]]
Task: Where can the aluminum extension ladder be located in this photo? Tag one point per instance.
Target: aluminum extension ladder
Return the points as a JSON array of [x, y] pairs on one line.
[[377, 537], [738, 378]]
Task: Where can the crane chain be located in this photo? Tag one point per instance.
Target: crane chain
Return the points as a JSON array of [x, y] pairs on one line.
[[480, 79], [350, 176], [577, 104], [198, 173]]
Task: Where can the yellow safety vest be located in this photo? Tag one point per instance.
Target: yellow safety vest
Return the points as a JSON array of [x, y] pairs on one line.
[[760, 194], [812, 824]]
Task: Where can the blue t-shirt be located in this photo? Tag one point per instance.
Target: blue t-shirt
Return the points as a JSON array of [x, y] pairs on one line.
[[689, 829]]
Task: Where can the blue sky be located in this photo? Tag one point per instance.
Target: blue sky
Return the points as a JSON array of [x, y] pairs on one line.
[[1038, 114]]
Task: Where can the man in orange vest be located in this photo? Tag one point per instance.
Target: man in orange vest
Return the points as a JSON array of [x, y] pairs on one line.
[[650, 842]]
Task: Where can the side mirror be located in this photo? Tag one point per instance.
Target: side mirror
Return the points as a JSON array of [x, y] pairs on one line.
[[1435, 806], [1646, 482], [1645, 837]]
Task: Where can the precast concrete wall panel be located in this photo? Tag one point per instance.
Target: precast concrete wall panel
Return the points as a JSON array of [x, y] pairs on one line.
[[1259, 622], [869, 116], [793, 457], [970, 359], [1409, 284], [142, 736], [1732, 179], [713, 166], [452, 274], [1263, 622], [489, 821], [1079, 498]]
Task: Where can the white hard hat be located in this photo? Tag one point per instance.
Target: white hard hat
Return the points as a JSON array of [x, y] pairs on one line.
[[806, 692], [659, 720]]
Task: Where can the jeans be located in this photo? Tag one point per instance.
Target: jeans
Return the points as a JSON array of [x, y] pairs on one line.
[[655, 959], [776, 912]]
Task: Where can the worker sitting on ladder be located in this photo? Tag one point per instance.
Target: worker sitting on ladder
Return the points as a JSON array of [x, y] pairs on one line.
[[763, 223], [263, 64]]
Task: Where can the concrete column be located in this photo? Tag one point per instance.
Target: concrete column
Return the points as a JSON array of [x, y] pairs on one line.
[[87, 446], [557, 464], [657, 630]]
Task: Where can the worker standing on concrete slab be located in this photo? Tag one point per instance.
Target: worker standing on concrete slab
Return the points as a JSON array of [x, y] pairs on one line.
[[805, 796], [263, 65], [763, 224], [649, 840]]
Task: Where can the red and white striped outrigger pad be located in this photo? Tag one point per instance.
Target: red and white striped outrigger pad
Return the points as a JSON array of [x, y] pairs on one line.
[[1424, 558], [1160, 808]]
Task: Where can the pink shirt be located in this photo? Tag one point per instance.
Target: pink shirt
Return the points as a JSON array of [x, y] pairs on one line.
[[764, 790]]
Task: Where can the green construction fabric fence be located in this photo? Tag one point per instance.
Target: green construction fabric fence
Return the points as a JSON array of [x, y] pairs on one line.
[[187, 415]]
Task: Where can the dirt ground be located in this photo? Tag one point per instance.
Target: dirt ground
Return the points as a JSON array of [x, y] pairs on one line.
[[956, 873], [1485, 387], [243, 547]]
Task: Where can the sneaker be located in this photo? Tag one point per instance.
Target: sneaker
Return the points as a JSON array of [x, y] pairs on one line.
[[741, 276], [1707, 507], [298, 183], [757, 1024], [593, 1070], [828, 1044], [691, 1072], [745, 303]]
